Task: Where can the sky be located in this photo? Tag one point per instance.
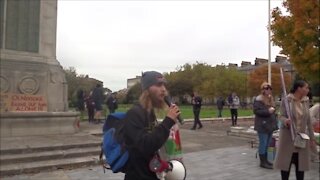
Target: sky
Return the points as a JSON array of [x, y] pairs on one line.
[[116, 40]]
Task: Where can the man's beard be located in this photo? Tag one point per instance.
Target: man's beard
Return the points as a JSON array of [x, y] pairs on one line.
[[156, 102]]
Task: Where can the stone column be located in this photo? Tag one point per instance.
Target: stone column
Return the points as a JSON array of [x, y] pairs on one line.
[[33, 85]]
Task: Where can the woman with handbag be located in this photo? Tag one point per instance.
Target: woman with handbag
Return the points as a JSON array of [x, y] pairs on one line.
[[265, 122], [295, 150]]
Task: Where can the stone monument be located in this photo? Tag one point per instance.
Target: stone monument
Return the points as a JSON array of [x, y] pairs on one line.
[[33, 85]]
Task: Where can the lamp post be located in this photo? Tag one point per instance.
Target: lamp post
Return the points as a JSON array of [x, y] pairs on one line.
[[269, 45]]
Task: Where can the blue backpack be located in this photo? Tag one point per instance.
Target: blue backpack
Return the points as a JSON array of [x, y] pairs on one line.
[[113, 145]]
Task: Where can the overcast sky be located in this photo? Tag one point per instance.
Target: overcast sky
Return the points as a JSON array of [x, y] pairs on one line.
[[116, 40]]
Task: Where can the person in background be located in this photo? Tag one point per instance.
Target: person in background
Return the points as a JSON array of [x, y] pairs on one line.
[[315, 121], [287, 153], [112, 103], [220, 104], [90, 107], [144, 136], [196, 105], [265, 122], [97, 96], [80, 102], [234, 103]]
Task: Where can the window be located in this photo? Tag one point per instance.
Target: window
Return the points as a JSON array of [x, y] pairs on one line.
[[1, 21], [22, 25]]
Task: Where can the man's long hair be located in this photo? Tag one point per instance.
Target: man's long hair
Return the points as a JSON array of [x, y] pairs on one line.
[[149, 101]]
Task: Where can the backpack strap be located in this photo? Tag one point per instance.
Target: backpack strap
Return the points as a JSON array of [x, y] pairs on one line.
[[102, 162]]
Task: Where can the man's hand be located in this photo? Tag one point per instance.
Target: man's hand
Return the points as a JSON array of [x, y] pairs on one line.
[[173, 112]]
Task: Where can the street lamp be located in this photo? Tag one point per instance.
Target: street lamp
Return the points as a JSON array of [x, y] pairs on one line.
[[269, 45]]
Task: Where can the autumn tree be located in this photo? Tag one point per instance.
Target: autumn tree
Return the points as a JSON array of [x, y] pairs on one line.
[[260, 75], [297, 33]]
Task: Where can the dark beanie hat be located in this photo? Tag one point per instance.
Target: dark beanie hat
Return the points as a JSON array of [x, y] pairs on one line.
[[150, 78]]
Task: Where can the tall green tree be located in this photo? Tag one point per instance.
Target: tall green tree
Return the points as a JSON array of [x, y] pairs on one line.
[[297, 33]]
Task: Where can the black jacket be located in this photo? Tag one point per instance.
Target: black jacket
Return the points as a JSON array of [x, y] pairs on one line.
[[264, 122], [197, 103], [143, 140]]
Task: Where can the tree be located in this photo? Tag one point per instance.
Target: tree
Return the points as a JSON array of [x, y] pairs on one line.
[[76, 82], [260, 74], [133, 94], [298, 35]]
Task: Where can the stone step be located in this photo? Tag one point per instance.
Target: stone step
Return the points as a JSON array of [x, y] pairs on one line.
[[47, 165], [49, 155], [25, 150]]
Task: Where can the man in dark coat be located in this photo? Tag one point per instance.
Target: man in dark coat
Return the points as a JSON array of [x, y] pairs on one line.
[[144, 136], [196, 105], [112, 103], [220, 104]]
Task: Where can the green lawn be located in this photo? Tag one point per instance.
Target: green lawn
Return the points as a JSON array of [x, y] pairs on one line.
[[206, 111], [186, 111]]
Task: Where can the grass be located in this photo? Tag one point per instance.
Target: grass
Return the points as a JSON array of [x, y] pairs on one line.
[[206, 111], [209, 111]]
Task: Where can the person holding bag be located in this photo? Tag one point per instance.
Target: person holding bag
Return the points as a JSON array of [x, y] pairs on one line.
[[295, 132], [265, 122]]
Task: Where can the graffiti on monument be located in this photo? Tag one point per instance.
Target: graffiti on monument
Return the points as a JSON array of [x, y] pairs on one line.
[[22, 103]]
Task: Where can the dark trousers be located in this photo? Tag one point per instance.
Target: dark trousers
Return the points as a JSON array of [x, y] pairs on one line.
[[234, 116], [299, 174], [219, 112], [90, 115], [197, 121]]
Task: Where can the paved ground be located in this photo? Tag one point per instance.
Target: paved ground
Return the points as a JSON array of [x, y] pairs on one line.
[[209, 155], [218, 164]]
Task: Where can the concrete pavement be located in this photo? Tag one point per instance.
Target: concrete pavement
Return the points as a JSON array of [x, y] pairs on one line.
[[218, 164], [209, 155]]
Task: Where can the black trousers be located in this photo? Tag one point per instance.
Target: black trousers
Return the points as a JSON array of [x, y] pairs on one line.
[[197, 121], [299, 174], [234, 116]]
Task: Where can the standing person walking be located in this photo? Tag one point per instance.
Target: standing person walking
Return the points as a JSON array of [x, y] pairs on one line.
[[234, 103], [143, 135], [80, 102], [97, 97], [90, 107], [196, 105], [112, 103], [288, 153], [220, 104], [265, 122]]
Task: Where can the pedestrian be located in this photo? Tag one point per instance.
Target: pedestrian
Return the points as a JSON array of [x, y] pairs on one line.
[[315, 121], [287, 153], [112, 103], [97, 96], [265, 122], [90, 107], [315, 117], [234, 103], [196, 105], [220, 104], [80, 102], [144, 136]]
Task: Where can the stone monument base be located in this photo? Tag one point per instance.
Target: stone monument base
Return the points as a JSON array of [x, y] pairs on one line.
[[38, 123]]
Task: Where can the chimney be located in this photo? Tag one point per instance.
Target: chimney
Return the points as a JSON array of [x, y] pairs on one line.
[[232, 65], [260, 61], [245, 63], [281, 59]]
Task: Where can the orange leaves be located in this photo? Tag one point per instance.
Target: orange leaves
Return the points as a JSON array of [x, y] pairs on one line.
[[298, 35]]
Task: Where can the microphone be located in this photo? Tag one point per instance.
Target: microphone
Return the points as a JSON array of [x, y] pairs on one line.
[[168, 102]]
